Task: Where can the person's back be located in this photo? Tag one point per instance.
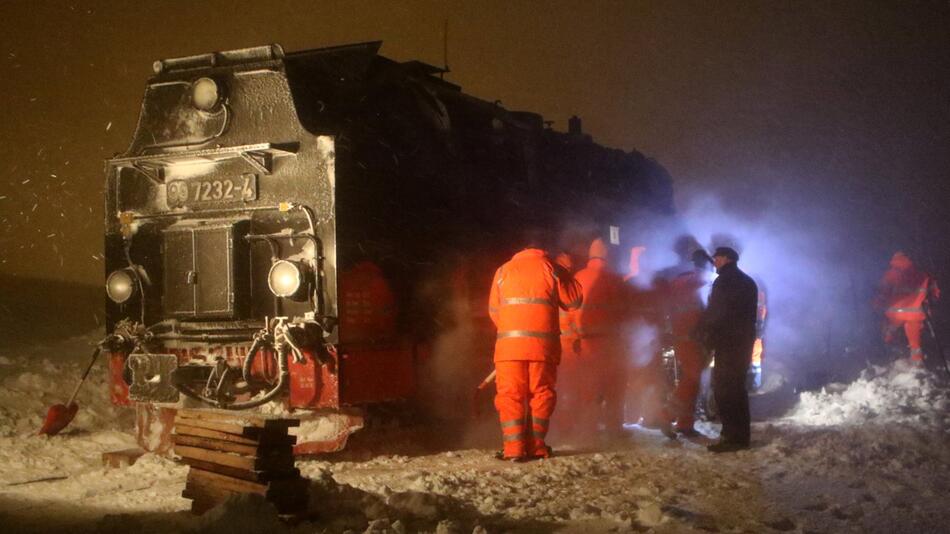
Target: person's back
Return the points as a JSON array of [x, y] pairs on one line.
[[605, 301], [681, 286], [683, 302], [525, 296], [524, 302], [601, 373]]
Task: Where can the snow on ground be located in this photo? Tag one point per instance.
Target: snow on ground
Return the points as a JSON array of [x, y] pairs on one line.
[[901, 393], [871, 456], [58, 482]]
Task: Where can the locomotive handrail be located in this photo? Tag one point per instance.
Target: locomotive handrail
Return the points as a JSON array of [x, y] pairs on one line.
[[224, 58], [259, 156]]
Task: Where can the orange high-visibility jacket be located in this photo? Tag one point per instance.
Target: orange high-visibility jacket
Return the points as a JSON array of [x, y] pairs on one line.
[[685, 304], [525, 297], [566, 319], [606, 301], [903, 291]]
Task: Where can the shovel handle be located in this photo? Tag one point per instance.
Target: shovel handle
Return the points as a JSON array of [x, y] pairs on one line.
[[95, 355], [484, 384], [488, 380]]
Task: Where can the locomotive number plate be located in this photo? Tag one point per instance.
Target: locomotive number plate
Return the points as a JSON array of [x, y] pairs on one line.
[[198, 191]]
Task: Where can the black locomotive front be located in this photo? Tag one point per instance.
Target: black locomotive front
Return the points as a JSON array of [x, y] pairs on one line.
[[220, 235]]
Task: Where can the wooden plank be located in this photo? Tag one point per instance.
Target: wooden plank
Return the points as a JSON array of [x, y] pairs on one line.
[[260, 451], [239, 418], [265, 440], [254, 476], [249, 463], [199, 477], [215, 444], [264, 450], [190, 430], [290, 486], [223, 458], [229, 428], [255, 419]]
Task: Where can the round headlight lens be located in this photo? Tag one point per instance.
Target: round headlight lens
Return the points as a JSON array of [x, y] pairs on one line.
[[120, 286], [204, 94], [285, 278]]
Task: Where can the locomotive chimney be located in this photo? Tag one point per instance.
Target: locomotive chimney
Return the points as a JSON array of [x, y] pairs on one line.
[[574, 125]]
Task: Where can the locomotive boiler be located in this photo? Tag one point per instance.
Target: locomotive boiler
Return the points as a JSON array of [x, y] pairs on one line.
[[285, 228]]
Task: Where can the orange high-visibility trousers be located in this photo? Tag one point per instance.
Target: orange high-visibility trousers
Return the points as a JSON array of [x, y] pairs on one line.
[[913, 330], [579, 398], [525, 402], [568, 388], [689, 355], [604, 389]]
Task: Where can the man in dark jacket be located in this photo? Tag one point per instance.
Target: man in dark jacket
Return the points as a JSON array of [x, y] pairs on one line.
[[728, 329]]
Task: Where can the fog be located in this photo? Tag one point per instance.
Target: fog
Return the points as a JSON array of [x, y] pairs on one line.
[[817, 267]]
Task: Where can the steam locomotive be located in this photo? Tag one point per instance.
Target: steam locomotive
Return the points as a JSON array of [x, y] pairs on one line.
[[288, 227]]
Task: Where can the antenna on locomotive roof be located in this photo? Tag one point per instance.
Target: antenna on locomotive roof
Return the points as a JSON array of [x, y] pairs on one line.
[[445, 48]]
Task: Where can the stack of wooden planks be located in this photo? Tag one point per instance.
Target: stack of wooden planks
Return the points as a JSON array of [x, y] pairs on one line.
[[231, 453]]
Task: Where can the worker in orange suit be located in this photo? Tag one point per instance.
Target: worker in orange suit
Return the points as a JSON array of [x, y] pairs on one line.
[[646, 387], [901, 296], [680, 288], [526, 294], [754, 380], [569, 373], [601, 360]]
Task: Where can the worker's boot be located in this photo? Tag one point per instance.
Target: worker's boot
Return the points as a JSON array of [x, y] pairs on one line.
[[500, 455]]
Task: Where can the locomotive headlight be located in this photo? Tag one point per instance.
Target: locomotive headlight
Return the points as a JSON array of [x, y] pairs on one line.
[[120, 286], [204, 94], [288, 279]]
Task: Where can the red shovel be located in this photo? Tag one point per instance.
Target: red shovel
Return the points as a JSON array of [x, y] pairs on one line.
[[60, 415]]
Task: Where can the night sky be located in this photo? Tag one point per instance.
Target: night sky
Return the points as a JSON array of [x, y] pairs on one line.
[[841, 111]]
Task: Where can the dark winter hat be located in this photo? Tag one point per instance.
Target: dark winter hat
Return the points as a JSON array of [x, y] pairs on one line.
[[726, 252]]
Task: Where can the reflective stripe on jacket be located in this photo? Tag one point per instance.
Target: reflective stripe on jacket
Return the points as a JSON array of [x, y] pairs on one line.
[[525, 297], [902, 293]]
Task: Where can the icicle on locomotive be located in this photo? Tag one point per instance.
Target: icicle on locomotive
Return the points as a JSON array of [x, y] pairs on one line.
[[283, 227]]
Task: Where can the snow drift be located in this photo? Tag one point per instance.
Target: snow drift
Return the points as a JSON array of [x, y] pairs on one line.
[[899, 393]]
